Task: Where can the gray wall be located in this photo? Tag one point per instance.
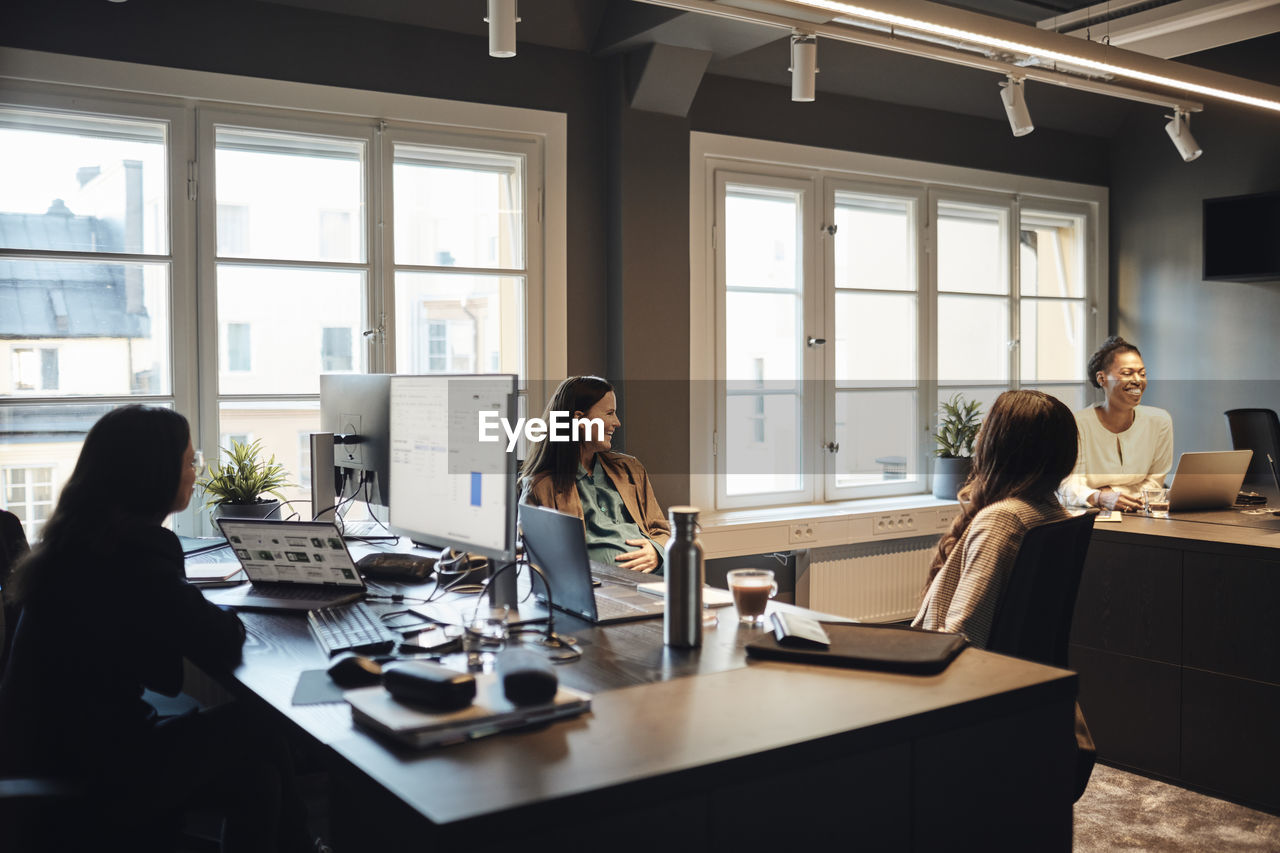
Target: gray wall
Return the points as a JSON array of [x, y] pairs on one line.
[[1208, 346]]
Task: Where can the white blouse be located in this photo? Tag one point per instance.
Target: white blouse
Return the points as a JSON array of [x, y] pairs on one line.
[[1129, 461]]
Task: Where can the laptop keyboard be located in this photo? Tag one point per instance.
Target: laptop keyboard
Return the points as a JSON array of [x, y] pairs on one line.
[[350, 627], [292, 592], [609, 608]]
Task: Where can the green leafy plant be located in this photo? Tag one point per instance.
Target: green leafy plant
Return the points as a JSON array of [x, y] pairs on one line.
[[244, 477], [958, 424]]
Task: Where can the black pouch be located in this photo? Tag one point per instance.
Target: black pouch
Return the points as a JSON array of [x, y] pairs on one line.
[[429, 685]]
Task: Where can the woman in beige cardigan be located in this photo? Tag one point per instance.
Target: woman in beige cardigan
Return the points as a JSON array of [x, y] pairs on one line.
[[609, 491]]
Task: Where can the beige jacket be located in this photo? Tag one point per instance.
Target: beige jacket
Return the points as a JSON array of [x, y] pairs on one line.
[[628, 477]]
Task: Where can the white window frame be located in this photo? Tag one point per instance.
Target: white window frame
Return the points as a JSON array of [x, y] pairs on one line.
[[50, 81], [710, 154]]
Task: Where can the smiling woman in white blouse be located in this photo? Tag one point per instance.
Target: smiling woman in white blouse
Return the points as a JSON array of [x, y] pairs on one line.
[[1125, 447]]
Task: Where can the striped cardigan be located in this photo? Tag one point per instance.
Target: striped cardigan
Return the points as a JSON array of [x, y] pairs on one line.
[[966, 590]]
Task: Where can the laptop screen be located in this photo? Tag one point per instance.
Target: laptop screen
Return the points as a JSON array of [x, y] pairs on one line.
[[291, 552]]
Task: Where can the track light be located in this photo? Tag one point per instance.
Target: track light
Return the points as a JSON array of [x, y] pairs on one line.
[[1015, 106], [1179, 130], [804, 66], [502, 28]]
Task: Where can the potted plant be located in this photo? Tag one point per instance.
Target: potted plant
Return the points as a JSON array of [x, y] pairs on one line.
[[235, 487], [958, 424]]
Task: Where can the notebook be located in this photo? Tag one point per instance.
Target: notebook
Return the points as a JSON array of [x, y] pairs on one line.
[[557, 544], [374, 708], [292, 565], [1208, 480]]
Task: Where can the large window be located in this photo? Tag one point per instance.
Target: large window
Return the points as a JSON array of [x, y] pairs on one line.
[[847, 306], [86, 278], [218, 259]]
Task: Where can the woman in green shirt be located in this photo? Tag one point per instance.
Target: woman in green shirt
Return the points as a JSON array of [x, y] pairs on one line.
[[609, 491]]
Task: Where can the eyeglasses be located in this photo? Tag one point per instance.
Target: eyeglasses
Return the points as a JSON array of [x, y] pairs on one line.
[[197, 462]]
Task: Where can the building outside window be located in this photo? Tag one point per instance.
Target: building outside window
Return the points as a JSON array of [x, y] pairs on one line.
[[28, 494]]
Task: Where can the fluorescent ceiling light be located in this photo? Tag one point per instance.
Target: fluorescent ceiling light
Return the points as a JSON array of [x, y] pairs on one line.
[[1074, 59]]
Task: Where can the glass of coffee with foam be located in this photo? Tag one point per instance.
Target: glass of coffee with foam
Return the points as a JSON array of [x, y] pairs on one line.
[[752, 589]]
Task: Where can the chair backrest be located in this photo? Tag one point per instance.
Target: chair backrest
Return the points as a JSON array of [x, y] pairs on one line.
[[13, 545], [1033, 617], [1257, 430]]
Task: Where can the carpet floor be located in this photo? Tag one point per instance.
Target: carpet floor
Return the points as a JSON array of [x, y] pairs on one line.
[[1124, 811]]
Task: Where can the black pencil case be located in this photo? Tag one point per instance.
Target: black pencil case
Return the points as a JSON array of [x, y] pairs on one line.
[[429, 685]]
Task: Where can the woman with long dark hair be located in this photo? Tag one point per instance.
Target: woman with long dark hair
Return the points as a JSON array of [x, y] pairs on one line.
[[106, 612], [1026, 446], [609, 491]]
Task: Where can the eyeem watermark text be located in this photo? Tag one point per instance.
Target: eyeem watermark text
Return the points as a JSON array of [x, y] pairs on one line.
[[561, 427]]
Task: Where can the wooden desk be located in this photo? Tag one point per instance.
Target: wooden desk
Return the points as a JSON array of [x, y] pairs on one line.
[[1176, 638], [729, 753]]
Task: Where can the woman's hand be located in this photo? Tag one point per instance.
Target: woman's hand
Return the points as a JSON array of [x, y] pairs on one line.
[[1108, 498], [644, 560]]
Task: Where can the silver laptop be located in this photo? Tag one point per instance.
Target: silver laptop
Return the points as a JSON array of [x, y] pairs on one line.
[[292, 565], [1208, 480], [557, 544]]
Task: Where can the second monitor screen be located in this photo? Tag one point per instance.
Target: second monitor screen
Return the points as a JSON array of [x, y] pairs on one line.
[[447, 486]]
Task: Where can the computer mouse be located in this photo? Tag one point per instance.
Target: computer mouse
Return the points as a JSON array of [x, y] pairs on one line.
[[352, 670]]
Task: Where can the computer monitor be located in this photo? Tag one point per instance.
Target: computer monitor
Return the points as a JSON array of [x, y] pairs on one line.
[[449, 488], [354, 408]]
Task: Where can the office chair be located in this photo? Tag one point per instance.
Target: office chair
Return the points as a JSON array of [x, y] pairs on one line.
[[1033, 616], [1257, 430]]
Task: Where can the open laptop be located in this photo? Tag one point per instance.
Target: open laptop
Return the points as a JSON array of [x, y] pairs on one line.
[[1208, 480], [557, 544], [292, 565]]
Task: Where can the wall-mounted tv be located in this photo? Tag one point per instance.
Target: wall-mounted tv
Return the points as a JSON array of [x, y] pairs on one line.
[[1242, 238]]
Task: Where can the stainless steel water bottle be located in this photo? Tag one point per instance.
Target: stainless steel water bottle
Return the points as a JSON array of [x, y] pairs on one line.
[[682, 621]]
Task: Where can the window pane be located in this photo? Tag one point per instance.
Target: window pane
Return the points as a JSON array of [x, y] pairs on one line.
[[290, 196], [458, 208], [336, 354], [39, 445], [1051, 255], [973, 339], [84, 327], [82, 183], [877, 433], [984, 394], [1052, 340], [762, 446], [279, 425], [273, 322], [875, 337], [972, 249], [762, 238], [875, 243], [1076, 397], [762, 334], [457, 323]]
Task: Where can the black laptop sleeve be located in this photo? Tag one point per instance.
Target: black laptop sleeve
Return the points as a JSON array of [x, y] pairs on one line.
[[879, 647]]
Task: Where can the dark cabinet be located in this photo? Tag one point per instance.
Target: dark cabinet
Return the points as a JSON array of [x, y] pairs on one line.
[[1176, 638]]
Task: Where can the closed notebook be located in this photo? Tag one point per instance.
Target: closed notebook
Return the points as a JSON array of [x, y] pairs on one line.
[[880, 647], [491, 713]]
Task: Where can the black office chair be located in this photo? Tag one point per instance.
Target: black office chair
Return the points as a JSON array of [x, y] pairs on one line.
[[1033, 616], [1257, 430]]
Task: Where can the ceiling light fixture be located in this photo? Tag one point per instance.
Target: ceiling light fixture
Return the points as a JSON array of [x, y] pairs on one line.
[[1071, 57], [1015, 106], [1179, 130], [502, 22], [804, 66], [979, 41]]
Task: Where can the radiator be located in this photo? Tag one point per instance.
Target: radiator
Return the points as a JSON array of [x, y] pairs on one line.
[[871, 581]]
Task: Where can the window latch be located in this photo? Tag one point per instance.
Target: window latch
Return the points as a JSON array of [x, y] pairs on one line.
[[831, 230], [815, 342], [832, 446]]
